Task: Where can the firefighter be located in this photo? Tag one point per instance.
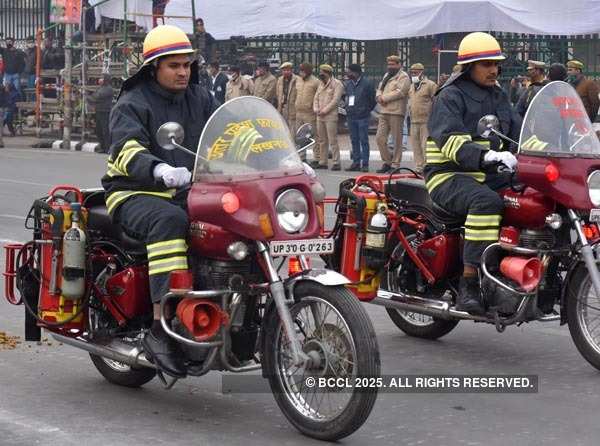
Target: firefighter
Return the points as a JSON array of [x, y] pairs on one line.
[[144, 183], [456, 162]]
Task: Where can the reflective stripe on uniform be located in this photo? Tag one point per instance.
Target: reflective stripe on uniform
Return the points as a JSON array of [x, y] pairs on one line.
[[453, 144], [160, 249], [438, 179], [434, 155], [116, 198], [129, 150], [483, 220], [167, 265], [482, 235], [534, 143], [482, 228]]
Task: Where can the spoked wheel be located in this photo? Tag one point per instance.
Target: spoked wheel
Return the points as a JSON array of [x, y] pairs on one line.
[[583, 316], [338, 337], [411, 323], [113, 371]]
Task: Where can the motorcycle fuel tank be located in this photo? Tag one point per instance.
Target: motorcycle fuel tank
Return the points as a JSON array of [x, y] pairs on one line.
[[526, 209]]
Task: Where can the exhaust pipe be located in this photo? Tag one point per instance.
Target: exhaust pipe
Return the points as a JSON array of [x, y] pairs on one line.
[[115, 350], [430, 307]]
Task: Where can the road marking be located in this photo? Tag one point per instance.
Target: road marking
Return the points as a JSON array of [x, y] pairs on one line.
[[29, 183], [8, 241], [17, 217]]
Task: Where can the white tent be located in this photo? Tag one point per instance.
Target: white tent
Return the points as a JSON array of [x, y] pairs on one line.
[[385, 19]]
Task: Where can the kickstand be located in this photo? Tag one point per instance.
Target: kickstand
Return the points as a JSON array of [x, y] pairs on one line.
[[500, 327], [166, 384]]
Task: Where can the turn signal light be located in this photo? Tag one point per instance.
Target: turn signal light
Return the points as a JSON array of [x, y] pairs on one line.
[[265, 225], [230, 202], [552, 172], [294, 265], [591, 232]]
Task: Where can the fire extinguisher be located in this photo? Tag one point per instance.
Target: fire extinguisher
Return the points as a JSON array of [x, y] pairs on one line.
[[374, 248], [73, 271]]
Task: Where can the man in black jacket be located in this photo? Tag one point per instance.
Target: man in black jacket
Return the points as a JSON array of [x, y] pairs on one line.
[[142, 179], [456, 173], [14, 63], [218, 84], [102, 100], [360, 100]]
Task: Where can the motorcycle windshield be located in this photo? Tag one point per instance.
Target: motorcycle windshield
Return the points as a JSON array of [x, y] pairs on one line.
[[246, 138], [557, 124]]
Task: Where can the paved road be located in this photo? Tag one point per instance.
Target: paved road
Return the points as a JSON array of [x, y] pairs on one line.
[[52, 395]]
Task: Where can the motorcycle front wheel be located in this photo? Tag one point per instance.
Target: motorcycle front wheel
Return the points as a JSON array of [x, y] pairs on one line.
[[583, 316], [335, 331]]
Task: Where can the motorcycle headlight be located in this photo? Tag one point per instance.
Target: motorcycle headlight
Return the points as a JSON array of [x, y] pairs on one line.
[[292, 211], [594, 187]]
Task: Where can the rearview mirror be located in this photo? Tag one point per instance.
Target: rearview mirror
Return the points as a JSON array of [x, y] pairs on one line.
[[487, 125], [169, 135], [305, 131]]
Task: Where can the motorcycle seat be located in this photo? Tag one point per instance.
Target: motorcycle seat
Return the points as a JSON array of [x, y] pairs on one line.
[[99, 220], [413, 191]]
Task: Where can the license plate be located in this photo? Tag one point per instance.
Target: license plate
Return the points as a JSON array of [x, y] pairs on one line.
[[302, 247], [595, 215]]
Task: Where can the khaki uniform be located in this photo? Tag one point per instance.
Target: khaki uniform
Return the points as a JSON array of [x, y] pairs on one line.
[[240, 87], [264, 87], [391, 118], [587, 89], [326, 100], [286, 104], [420, 101]]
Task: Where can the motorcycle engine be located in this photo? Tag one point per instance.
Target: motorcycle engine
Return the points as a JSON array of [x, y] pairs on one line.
[[537, 239]]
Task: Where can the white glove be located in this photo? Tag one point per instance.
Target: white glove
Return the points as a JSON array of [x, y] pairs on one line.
[[172, 176], [506, 158]]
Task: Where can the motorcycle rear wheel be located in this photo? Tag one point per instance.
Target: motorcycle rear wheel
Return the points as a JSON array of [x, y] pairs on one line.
[[414, 324], [343, 337], [583, 315], [122, 374]]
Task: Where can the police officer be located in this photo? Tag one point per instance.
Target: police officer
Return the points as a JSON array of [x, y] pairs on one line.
[[142, 178], [537, 77], [456, 161]]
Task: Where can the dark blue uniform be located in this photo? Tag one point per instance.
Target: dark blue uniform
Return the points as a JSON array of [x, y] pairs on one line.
[[145, 207], [453, 173]]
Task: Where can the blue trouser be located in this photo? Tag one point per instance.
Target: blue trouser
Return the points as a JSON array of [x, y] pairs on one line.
[[359, 136], [14, 79]]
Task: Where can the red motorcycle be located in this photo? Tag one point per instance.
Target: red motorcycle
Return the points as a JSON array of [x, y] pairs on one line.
[[251, 201], [402, 251]]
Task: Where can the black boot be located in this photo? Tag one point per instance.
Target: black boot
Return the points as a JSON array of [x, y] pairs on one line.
[[469, 296], [162, 350]]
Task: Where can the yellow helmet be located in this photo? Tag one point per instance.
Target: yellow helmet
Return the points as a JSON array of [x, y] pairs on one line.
[[479, 46], [165, 40]]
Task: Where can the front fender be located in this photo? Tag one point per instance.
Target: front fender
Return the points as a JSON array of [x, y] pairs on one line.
[[326, 277]]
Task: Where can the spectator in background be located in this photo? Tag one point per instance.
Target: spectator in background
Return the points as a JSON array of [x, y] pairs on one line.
[[325, 105], [204, 41], [557, 72], [30, 62], [12, 96], [587, 89], [286, 96], [442, 79], [203, 76], [306, 88], [218, 81], [2, 112], [102, 99], [360, 100], [90, 17], [14, 64], [392, 96], [265, 84], [238, 85], [420, 102], [537, 80]]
